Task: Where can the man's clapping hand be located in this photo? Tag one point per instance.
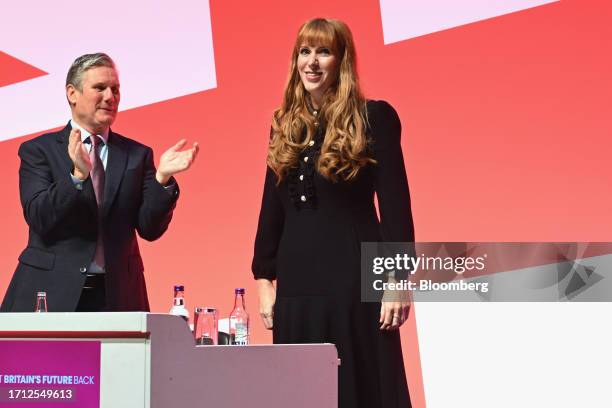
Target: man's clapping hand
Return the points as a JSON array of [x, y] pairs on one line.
[[174, 161], [79, 156]]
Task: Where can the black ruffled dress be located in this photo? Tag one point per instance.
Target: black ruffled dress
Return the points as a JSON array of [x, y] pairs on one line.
[[308, 239]]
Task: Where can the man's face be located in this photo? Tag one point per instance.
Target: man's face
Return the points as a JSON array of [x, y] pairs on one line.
[[95, 107]]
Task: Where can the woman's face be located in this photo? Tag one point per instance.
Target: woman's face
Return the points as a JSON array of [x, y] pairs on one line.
[[318, 69]]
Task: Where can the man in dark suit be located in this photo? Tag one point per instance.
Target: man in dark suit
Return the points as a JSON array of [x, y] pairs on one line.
[[85, 191]]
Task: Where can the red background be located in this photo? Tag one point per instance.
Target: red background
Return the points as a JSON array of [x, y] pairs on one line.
[[506, 136]]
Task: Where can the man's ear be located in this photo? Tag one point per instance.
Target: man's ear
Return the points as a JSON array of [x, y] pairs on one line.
[[71, 94]]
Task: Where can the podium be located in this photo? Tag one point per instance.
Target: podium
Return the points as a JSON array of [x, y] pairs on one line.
[[151, 361]]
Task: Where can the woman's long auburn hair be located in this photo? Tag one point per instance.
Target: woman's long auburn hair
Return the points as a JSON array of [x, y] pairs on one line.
[[343, 112]]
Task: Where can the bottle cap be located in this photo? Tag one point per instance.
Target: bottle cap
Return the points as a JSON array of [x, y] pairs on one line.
[[239, 291], [180, 288], [41, 294]]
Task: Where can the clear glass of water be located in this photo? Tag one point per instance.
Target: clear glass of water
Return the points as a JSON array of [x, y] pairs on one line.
[[206, 331]]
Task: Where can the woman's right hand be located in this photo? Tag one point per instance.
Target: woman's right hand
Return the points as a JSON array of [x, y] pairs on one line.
[[267, 297]]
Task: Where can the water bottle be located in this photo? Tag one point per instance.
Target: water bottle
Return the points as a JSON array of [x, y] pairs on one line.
[[178, 306], [41, 302], [239, 320]]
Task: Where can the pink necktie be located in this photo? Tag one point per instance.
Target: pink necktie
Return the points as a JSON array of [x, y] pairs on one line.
[[97, 178]]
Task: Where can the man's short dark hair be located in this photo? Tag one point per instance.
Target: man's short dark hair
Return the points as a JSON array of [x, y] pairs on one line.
[[83, 63]]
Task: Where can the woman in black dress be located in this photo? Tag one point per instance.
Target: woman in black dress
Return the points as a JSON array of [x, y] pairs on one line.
[[330, 152]]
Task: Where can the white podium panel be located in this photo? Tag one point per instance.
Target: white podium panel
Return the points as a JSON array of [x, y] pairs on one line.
[[151, 361]]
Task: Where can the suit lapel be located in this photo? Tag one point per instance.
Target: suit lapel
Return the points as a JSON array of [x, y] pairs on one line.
[[115, 167]]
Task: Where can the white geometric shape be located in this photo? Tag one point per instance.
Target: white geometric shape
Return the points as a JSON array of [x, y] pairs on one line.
[[515, 354], [162, 49], [404, 19]]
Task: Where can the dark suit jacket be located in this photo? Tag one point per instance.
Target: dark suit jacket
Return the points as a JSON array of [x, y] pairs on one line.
[[63, 224]]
